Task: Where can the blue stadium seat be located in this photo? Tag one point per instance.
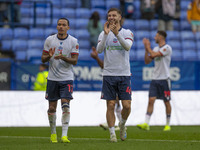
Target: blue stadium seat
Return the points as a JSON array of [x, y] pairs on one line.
[[6, 33], [68, 13], [98, 4], [21, 33], [153, 24], [20, 55], [49, 31], [71, 32], [128, 24], [6, 45], [198, 45], [56, 13], [36, 33], [188, 45], [184, 4], [72, 23], [54, 23], [139, 35], [136, 15], [153, 34], [84, 54], [136, 5], [139, 45], [174, 44], [41, 12], [81, 23], [26, 12], [26, 20], [183, 15], [84, 44], [32, 44], [70, 4], [19, 45], [26, 4], [185, 25], [82, 34], [187, 35], [177, 55], [197, 36], [176, 25], [190, 55], [83, 13], [56, 3], [132, 55], [173, 35], [112, 4], [33, 53], [142, 25], [101, 12], [140, 54]]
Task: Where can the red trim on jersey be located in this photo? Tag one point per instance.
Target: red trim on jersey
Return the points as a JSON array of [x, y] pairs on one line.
[[160, 53], [74, 53], [45, 51], [129, 39]]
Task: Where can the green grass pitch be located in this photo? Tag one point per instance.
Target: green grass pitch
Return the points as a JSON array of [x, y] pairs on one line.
[[95, 138]]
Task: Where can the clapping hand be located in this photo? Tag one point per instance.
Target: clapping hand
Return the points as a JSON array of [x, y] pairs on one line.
[[51, 51], [94, 53]]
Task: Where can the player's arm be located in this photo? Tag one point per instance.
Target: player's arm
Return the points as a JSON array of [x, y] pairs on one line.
[[102, 38], [94, 55], [46, 55], [125, 43], [73, 60]]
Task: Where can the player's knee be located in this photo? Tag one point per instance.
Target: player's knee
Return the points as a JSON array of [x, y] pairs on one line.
[[51, 109], [65, 107], [127, 107]]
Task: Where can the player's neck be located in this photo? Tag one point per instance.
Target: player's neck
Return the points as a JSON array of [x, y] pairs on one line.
[[161, 43], [62, 36]]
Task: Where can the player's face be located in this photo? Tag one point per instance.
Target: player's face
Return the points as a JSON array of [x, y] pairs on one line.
[[157, 38], [62, 26], [114, 17]]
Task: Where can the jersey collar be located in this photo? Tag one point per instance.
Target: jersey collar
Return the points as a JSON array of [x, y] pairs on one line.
[[64, 38]]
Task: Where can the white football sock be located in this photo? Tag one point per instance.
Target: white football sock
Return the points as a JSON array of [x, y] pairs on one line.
[[52, 122]]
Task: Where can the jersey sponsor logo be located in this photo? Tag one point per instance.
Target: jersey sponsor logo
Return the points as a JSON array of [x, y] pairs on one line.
[[115, 40], [114, 48]]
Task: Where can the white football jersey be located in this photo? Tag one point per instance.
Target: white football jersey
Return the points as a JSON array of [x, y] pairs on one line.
[[60, 70], [116, 58], [162, 64]]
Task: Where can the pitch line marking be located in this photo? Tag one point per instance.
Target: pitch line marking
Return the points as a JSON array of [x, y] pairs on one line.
[[102, 139]]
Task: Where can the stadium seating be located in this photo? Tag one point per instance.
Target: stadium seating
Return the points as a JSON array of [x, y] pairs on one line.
[[35, 44], [139, 35], [68, 13], [6, 33], [190, 55], [153, 24], [84, 44], [83, 13], [185, 25], [140, 54], [173, 35], [6, 45], [33, 53], [142, 25], [21, 33], [128, 24], [184, 5], [177, 55], [98, 4], [112, 4], [36, 33], [81, 23], [82, 34], [101, 12], [20, 56], [188, 45], [187, 35], [175, 44], [19, 45], [49, 31]]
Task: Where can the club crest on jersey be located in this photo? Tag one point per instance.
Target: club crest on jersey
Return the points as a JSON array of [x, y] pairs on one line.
[[164, 50], [60, 49], [77, 47], [115, 40]]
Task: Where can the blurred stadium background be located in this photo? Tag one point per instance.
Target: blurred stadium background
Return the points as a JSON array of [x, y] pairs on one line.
[[24, 42]]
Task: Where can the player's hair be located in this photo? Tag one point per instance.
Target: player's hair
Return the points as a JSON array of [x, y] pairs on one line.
[[162, 33], [115, 9], [63, 19]]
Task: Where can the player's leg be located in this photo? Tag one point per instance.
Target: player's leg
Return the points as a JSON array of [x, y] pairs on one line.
[[118, 112], [167, 97], [66, 90], [109, 94], [52, 96], [124, 94], [153, 93], [110, 116]]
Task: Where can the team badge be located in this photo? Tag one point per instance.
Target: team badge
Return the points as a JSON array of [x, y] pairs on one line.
[[115, 40]]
